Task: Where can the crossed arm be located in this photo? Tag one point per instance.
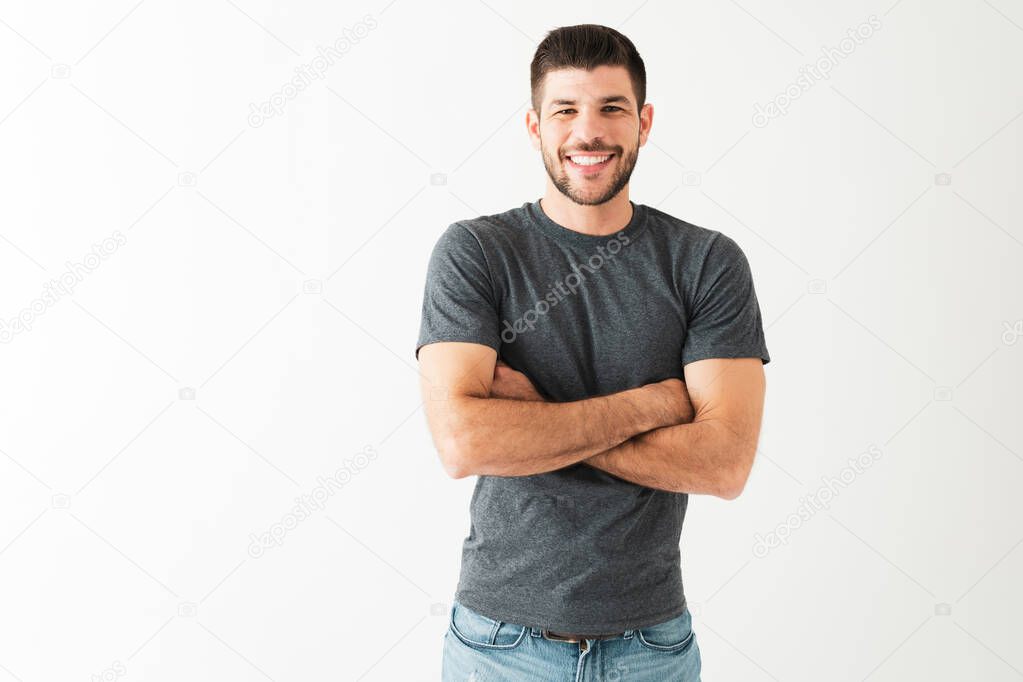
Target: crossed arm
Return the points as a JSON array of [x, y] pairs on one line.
[[711, 454], [696, 437]]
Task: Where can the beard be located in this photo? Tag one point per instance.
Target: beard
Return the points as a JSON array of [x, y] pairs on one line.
[[586, 192]]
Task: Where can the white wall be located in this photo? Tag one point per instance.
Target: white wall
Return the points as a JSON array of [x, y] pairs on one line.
[[250, 327]]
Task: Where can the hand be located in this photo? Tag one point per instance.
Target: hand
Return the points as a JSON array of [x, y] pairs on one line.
[[512, 384]]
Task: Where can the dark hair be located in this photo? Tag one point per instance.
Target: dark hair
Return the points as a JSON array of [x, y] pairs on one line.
[[586, 46]]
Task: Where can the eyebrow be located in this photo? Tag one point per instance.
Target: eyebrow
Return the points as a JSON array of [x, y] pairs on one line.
[[606, 100]]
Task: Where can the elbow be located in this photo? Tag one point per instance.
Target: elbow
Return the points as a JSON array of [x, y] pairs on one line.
[[452, 441], [451, 460], [733, 479], [730, 489], [454, 469], [454, 456]]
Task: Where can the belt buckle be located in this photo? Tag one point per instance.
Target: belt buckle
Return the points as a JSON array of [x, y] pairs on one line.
[[557, 638]]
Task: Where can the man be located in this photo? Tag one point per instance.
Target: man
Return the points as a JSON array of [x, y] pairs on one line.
[[593, 361]]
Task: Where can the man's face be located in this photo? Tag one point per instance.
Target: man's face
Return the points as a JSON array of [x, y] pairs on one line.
[[589, 132]]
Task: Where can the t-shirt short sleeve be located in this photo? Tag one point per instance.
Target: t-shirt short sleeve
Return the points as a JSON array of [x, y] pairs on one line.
[[459, 301], [725, 320]]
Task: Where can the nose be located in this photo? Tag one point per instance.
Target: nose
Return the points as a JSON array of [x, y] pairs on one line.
[[589, 127]]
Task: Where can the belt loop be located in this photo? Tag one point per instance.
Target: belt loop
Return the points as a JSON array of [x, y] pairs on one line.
[[627, 634], [493, 632], [535, 632]]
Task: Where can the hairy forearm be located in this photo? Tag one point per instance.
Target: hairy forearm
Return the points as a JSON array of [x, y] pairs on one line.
[[701, 457], [503, 437]]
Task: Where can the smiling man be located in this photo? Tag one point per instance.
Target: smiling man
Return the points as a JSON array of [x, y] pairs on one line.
[[593, 361]]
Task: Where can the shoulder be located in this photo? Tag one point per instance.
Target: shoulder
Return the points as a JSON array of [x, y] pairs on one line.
[[482, 240], [699, 243], [487, 229]]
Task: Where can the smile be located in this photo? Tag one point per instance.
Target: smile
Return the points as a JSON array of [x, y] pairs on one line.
[[589, 162]]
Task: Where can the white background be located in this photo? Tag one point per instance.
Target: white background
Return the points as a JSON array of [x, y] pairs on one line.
[[277, 271]]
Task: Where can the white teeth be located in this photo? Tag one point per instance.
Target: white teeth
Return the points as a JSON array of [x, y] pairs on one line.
[[589, 160]]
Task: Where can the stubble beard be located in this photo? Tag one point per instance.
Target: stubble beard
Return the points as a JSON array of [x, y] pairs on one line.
[[624, 165]]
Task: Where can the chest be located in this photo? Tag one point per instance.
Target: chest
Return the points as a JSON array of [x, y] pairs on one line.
[[581, 326]]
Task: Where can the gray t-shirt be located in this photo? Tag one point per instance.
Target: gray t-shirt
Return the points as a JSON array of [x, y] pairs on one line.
[[578, 549]]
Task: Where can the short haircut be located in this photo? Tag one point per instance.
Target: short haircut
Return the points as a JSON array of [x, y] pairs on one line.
[[586, 46]]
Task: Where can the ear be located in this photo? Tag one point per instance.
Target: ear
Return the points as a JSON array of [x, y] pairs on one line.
[[533, 128], [646, 120]]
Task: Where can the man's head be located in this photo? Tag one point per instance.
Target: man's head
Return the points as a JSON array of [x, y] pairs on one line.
[[589, 101]]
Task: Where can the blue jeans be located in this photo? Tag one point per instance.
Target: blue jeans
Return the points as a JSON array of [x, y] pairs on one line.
[[480, 649]]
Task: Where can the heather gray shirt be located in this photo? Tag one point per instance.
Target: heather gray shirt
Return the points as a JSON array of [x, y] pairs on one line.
[[578, 549]]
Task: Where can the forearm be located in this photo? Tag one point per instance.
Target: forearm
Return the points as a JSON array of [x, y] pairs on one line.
[[700, 457], [502, 437]]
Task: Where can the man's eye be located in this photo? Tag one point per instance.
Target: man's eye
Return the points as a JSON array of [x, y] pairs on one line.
[[610, 106]]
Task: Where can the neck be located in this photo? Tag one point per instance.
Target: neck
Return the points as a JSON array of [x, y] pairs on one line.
[[599, 221]]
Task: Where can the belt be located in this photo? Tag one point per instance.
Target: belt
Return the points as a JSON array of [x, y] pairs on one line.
[[566, 637]]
